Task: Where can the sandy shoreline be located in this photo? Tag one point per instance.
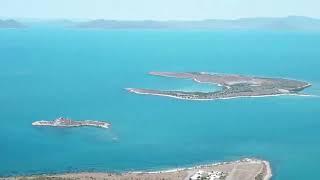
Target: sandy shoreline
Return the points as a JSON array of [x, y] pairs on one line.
[[133, 90], [247, 169], [268, 171], [234, 86]]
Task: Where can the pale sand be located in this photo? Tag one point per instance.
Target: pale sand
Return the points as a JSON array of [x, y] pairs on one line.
[[132, 90], [246, 169], [227, 83], [267, 171]]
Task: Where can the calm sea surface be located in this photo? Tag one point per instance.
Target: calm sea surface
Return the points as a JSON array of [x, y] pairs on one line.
[[46, 73]]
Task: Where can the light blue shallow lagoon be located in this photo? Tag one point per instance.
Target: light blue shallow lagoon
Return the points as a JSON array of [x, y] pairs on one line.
[[48, 72]]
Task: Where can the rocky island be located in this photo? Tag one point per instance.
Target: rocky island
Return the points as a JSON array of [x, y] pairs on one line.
[[65, 122], [232, 86]]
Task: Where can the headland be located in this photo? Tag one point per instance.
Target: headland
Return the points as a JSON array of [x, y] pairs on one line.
[[245, 169], [65, 122], [233, 86]]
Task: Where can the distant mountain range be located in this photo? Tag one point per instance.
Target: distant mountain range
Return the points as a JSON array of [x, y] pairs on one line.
[[10, 24], [286, 23], [294, 23]]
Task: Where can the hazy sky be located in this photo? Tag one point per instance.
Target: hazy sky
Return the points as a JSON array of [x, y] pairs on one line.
[[157, 9]]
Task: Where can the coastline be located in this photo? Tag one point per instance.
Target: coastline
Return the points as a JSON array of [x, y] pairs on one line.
[[164, 74], [233, 86], [106, 126], [132, 90], [263, 169], [268, 171], [68, 123]]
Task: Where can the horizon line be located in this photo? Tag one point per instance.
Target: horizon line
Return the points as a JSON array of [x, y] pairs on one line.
[[163, 20]]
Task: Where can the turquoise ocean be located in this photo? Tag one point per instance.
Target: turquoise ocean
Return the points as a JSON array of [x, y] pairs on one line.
[[48, 72]]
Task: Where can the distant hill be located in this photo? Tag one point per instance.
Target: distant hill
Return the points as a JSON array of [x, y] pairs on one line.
[[286, 23], [10, 24]]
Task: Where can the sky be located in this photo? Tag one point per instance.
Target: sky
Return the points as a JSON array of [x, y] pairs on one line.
[[156, 9]]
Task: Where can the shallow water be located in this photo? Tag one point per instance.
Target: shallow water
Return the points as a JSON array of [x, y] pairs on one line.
[[186, 85], [46, 73]]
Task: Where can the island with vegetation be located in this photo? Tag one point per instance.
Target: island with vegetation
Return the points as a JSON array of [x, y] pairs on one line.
[[65, 122], [10, 23], [245, 169], [291, 23], [232, 86]]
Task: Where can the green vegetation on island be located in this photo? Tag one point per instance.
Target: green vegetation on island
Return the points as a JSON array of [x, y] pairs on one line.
[[233, 86]]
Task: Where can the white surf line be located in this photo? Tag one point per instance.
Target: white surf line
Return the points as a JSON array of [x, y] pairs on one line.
[[268, 169], [154, 73], [251, 160], [220, 98]]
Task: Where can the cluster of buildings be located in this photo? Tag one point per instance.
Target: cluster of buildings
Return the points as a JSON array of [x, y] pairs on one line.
[[213, 175]]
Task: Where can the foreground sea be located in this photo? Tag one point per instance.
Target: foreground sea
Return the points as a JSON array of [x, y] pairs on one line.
[[51, 71]]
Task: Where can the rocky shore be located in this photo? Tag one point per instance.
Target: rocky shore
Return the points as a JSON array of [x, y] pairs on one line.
[[65, 122]]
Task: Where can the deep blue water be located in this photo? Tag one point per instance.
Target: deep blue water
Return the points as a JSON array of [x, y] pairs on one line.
[[46, 73]]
